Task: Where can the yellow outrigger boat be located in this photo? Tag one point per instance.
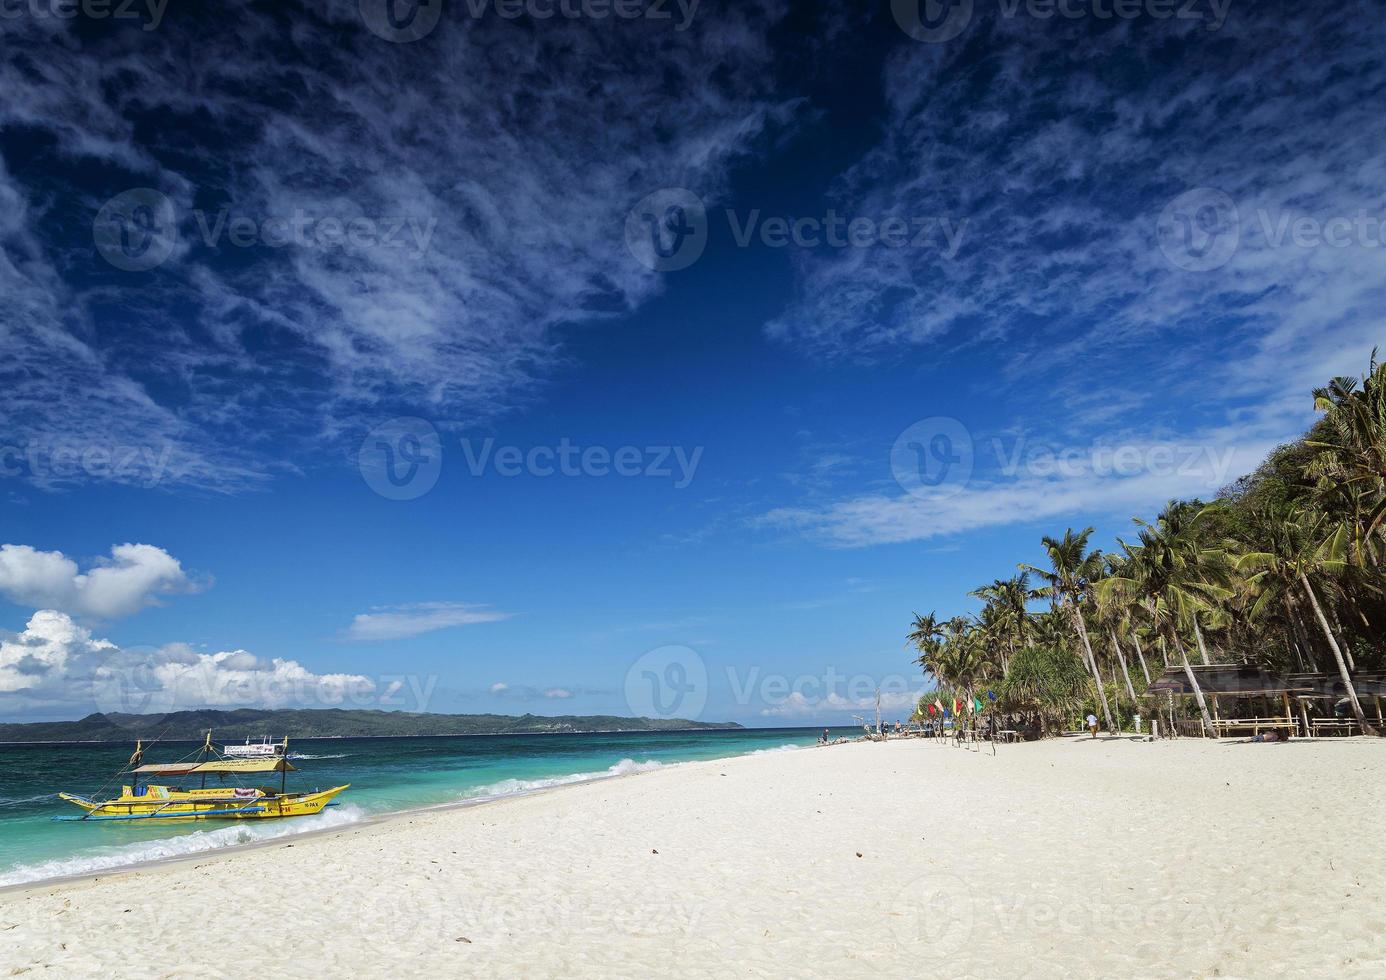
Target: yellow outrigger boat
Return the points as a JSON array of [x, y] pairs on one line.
[[148, 801]]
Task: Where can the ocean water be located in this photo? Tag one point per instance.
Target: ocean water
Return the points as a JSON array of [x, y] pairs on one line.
[[386, 775]]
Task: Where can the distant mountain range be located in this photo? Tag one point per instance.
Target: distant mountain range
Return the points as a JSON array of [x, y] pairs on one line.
[[230, 726]]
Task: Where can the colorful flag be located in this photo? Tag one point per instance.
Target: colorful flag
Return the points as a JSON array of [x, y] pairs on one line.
[[933, 710], [938, 704], [979, 703], [991, 696]]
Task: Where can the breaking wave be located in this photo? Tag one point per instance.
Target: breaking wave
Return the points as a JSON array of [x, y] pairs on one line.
[[513, 787], [198, 842]]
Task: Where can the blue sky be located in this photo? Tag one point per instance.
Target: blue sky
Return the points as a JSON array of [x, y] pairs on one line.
[[1097, 262]]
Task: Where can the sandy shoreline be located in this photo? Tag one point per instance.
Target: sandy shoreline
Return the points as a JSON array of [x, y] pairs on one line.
[[1067, 858]]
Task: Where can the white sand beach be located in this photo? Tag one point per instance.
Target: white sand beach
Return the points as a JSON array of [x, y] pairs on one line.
[[1067, 858]]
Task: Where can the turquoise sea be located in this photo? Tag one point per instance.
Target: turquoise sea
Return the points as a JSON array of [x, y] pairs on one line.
[[386, 774]]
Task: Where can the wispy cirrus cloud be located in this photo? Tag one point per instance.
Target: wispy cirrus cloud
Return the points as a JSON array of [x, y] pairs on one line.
[[1084, 157], [521, 177], [416, 619]]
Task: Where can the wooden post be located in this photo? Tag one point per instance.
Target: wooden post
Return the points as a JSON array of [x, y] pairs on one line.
[[1379, 719], [1304, 718], [1289, 715]]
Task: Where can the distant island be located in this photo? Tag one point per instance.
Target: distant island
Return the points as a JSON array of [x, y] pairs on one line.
[[243, 723]]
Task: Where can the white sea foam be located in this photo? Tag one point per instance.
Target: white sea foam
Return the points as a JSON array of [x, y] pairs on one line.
[[240, 832], [21, 800], [788, 747], [511, 787], [304, 755]]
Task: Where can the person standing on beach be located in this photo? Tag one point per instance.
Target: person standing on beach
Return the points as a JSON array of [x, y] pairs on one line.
[[1092, 724]]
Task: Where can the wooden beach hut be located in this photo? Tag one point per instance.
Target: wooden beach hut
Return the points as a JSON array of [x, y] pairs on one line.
[[1262, 700]]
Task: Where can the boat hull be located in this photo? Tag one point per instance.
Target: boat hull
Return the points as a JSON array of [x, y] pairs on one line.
[[162, 803]]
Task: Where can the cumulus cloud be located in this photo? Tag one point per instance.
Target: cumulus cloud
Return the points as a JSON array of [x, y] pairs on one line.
[[55, 663], [558, 693], [499, 687], [416, 619], [133, 577]]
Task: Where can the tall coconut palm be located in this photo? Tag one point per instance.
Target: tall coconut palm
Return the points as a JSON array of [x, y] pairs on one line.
[[1305, 546], [1067, 582], [1176, 576]]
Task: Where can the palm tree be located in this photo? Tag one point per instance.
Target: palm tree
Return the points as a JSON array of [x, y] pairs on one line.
[[1176, 576], [1073, 568], [1306, 544]]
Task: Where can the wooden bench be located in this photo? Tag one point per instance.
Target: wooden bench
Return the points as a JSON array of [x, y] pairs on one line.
[[1226, 726], [1332, 726]]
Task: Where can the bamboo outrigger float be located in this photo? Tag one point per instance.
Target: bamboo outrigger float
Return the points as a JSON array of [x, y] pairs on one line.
[[161, 802]]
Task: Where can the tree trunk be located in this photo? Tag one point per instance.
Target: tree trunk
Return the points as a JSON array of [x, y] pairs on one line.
[[1193, 682], [1198, 635], [1092, 665], [1304, 639], [1347, 650], [1125, 674], [1141, 653], [1338, 655]]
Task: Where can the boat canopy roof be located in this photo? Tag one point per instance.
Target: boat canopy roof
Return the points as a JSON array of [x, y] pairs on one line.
[[218, 766]]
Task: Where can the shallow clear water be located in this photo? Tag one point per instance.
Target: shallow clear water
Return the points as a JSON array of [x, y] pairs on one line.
[[385, 774]]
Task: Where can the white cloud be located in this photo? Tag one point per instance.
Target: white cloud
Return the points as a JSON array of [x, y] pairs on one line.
[[1061, 298], [558, 693], [521, 177], [1087, 485], [401, 622], [499, 687], [56, 664], [798, 705], [133, 577]]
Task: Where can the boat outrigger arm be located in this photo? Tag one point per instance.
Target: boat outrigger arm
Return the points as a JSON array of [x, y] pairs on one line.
[[159, 802]]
